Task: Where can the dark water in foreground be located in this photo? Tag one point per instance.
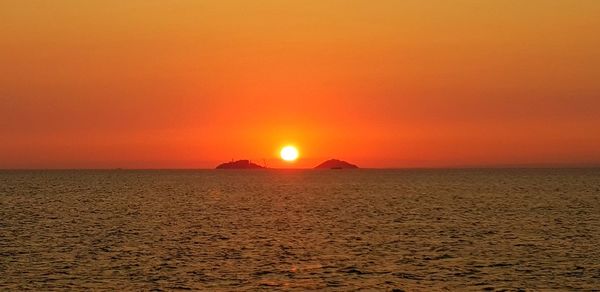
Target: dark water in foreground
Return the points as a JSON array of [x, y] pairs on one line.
[[340, 230]]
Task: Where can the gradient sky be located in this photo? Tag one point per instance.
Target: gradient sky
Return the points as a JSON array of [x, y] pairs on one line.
[[387, 83]]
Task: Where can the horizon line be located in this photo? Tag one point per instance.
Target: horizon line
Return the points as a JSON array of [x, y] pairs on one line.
[[474, 167]]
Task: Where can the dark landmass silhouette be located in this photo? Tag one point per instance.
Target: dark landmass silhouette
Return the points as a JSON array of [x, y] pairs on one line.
[[240, 164], [335, 164]]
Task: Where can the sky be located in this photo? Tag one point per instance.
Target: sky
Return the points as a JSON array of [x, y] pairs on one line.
[[387, 83]]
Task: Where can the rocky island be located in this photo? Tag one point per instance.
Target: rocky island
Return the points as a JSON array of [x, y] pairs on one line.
[[240, 164], [335, 164]]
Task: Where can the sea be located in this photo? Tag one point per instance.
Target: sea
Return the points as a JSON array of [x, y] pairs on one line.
[[297, 230]]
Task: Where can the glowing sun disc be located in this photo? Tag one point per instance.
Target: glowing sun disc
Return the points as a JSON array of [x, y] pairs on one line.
[[289, 153]]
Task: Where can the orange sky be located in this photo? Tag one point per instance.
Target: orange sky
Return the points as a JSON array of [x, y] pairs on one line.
[[187, 84]]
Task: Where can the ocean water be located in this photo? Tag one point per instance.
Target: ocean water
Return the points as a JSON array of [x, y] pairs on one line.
[[338, 230]]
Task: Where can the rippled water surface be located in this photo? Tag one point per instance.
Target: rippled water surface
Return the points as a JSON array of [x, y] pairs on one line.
[[339, 230]]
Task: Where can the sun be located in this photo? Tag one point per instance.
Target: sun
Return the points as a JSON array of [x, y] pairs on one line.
[[289, 153]]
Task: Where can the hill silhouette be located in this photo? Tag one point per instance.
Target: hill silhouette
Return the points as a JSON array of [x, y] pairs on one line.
[[335, 164], [240, 164]]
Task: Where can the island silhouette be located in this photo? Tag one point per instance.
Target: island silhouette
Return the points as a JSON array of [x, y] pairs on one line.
[[240, 164], [335, 164], [247, 164]]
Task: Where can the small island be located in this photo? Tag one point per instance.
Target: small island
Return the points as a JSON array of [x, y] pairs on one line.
[[335, 164], [240, 164]]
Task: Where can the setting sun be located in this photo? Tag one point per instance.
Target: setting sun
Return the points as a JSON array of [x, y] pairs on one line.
[[289, 153]]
